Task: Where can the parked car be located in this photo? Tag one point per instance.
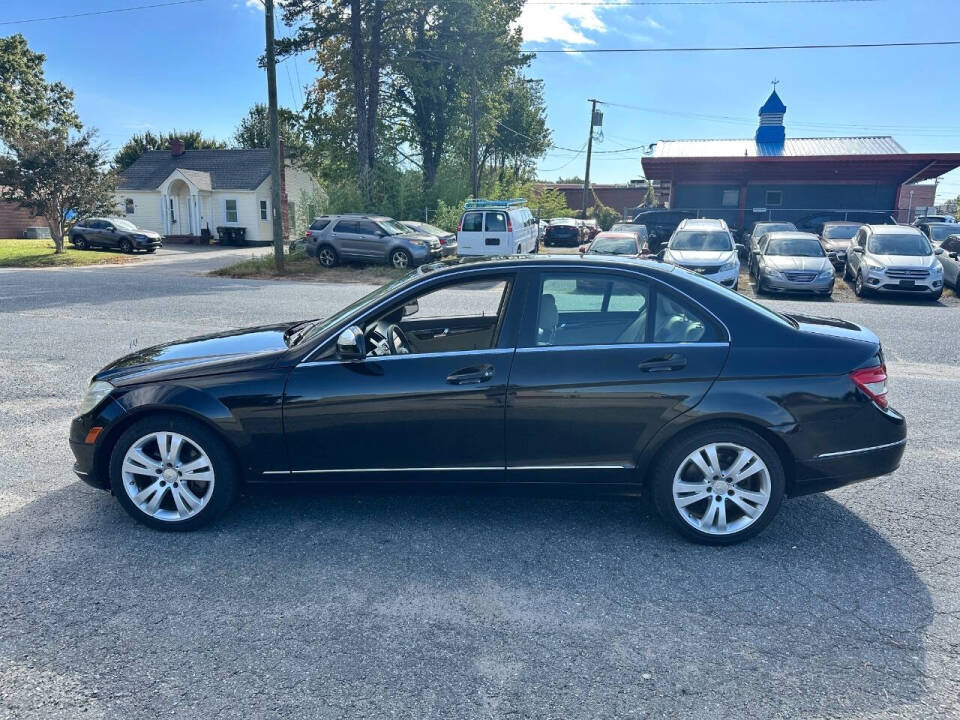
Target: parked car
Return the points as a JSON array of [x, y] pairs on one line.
[[900, 258], [660, 224], [793, 262], [950, 263], [814, 223], [115, 233], [937, 232], [368, 238], [923, 219], [497, 227], [713, 405], [751, 239], [705, 247], [448, 240], [639, 229], [564, 231], [836, 237], [623, 244], [591, 228]]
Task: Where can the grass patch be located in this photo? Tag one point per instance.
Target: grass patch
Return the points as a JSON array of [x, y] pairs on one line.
[[40, 253], [301, 266]]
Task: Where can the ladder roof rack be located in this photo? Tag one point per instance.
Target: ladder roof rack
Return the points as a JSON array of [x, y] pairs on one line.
[[481, 203]]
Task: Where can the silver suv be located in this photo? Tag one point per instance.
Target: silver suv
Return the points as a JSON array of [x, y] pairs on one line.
[[894, 258], [368, 238]]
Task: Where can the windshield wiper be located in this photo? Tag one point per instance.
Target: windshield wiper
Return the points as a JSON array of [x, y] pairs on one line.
[[294, 333]]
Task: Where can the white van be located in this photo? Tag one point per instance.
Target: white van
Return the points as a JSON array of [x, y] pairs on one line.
[[497, 227]]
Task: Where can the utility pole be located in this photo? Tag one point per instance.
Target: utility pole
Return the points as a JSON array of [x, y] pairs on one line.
[[275, 159], [474, 150], [586, 174]]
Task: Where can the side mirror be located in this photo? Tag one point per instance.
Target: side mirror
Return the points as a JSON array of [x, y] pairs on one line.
[[351, 345], [938, 251], [954, 255], [411, 308], [857, 249], [660, 255]]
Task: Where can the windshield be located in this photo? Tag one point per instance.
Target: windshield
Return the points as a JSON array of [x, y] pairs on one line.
[[614, 246], [840, 232], [904, 244], [761, 228], [322, 326], [707, 240], [626, 227], [563, 221], [393, 227], [942, 232], [121, 224], [795, 247], [430, 229]]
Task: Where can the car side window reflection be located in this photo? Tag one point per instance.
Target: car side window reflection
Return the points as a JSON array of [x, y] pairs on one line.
[[591, 309]]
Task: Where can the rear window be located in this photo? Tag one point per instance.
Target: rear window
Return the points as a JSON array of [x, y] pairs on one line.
[[472, 222], [319, 224], [496, 222], [839, 232], [706, 240]]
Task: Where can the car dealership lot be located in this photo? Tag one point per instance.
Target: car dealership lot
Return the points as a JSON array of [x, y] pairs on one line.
[[420, 604]]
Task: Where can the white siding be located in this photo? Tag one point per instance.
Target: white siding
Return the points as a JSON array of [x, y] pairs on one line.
[[146, 206], [248, 214]]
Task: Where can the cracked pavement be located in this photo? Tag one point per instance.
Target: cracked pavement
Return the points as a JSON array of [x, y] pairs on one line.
[[421, 604]]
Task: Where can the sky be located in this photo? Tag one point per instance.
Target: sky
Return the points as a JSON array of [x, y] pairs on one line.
[[194, 66]]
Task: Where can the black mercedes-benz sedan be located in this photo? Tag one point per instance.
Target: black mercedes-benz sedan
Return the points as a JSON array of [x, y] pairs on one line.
[[623, 375]]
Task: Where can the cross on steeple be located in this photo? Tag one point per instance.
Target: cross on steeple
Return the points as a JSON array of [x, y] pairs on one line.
[[775, 82]]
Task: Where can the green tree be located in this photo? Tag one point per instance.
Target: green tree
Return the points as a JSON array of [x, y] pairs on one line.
[[254, 130], [58, 177], [27, 101], [519, 135], [145, 142]]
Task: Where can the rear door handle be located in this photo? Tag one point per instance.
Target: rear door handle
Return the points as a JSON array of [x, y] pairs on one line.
[[663, 363], [471, 375]]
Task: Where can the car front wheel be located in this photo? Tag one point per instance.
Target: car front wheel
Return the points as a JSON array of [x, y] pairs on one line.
[[400, 259], [126, 246], [80, 242], [719, 485], [858, 287], [172, 473]]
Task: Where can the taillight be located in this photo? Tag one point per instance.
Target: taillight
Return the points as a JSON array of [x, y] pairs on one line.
[[443, 241], [509, 224], [873, 382], [460, 225], [308, 235]]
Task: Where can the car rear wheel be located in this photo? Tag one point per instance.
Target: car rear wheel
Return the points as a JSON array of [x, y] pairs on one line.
[[719, 485], [327, 256], [126, 246], [172, 473], [400, 259]]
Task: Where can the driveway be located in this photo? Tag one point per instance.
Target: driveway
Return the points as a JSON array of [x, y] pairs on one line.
[[431, 605]]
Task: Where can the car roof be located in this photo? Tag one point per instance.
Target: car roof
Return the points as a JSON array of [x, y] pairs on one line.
[[842, 222], [792, 234], [616, 234], [559, 261], [892, 229], [773, 222], [703, 223]]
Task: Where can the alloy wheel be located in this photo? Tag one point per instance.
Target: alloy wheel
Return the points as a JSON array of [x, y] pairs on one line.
[[721, 488], [326, 257], [400, 259], [167, 476]]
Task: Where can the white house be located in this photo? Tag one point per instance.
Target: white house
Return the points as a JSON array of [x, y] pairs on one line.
[[183, 193]]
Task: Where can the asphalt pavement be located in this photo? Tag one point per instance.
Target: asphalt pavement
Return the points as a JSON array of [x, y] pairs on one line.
[[453, 605]]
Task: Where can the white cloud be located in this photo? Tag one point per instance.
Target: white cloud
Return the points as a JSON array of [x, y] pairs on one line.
[[565, 23], [255, 4]]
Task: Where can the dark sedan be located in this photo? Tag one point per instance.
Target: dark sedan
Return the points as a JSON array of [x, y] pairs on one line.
[[116, 233], [564, 231], [653, 381]]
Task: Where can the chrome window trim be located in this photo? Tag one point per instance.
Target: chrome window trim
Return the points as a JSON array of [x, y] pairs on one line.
[[377, 358], [569, 467], [615, 346], [861, 450], [533, 264], [480, 468]]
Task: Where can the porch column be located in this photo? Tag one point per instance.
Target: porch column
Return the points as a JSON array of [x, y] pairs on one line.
[[194, 214], [164, 213]]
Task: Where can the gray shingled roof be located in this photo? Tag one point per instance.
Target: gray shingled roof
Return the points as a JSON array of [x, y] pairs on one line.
[[792, 147], [227, 169]]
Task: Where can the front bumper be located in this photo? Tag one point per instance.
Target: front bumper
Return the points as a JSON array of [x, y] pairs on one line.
[[727, 278], [147, 244], [91, 463], [450, 248], [882, 283], [820, 286]]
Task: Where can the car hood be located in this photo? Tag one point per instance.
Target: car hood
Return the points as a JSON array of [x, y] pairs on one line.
[[203, 355], [910, 261], [702, 257], [787, 262], [146, 233]]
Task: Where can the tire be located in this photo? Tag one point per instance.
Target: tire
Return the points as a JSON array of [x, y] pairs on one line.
[[760, 288], [327, 256], [400, 259], [736, 285], [126, 246], [519, 250], [858, 287], [727, 520], [150, 251], [80, 243], [846, 272], [198, 445]]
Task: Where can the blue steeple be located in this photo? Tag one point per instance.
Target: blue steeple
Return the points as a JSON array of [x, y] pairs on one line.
[[771, 129]]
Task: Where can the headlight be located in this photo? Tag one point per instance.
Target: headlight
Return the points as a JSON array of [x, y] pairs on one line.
[[97, 391], [728, 266], [936, 269], [826, 273], [770, 272], [418, 243], [875, 270]]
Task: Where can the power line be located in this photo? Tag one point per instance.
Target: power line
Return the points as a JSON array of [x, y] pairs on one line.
[[102, 12], [631, 3], [739, 48]]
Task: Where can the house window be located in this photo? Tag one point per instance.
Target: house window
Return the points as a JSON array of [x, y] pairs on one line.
[[230, 214], [263, 210], [731, 198], [128, 206], [773, 198], [173, 217]]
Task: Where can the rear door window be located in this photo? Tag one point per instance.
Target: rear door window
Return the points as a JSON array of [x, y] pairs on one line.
[[365, 227], [472, 222], [346, 226], [496, 222]]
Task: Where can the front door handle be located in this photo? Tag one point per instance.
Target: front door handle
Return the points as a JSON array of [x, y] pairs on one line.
[[471, 375], [663, 363]]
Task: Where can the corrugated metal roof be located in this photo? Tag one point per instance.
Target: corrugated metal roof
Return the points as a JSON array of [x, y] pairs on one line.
[[792, 147]]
